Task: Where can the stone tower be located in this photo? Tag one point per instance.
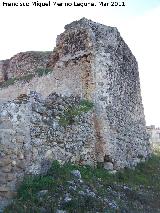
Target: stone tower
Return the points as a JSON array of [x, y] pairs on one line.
[[92, 60]]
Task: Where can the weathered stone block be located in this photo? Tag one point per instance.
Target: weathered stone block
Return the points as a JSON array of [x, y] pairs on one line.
[[5, 161], [4, 189], [108, 166]]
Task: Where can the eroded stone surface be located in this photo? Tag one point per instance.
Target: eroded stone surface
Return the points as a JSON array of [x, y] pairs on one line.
[[31, 137], [91, 61], [23, 63]]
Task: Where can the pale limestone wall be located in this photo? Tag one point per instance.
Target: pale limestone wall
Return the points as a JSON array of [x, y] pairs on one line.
[[14, 134], [3, 68], [119, 104], [114, 87], [26, 63], [45, 85], [93, 62], [67, 79], [31, 137], [71, 69]]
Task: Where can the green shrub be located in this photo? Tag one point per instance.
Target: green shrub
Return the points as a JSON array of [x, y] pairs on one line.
[[132, 190], [39, 72], [43, 71], [7, 83], [26, 77], [12, 81], [69, 115]]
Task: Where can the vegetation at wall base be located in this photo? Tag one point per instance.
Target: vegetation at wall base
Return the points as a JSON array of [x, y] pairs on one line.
[[92, 190]]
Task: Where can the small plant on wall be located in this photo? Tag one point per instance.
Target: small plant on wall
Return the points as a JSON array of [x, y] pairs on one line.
[[69, 115], [39, 72], [43, 71]]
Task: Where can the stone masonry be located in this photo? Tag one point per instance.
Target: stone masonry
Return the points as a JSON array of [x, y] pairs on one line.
[[90, 62], [154, 133], [32, 136], [23, 63]]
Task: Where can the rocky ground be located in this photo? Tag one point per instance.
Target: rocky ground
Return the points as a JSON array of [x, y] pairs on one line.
[[81, 189]]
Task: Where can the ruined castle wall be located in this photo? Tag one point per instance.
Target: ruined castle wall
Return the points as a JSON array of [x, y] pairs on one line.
[[93, 61], [68, 77], [32, 136], [74, 62], [122, 139], [120, 104], [3, 70], [21, 65], [44, 85], [119, 99], [46, 140], [26, 63], [14, 136], [71, 65], [90, 61]]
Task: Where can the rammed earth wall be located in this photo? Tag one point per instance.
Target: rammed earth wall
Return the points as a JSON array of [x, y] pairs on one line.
[[90, 61]]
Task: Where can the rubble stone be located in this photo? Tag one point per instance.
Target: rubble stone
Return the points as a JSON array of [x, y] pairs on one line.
[[91, 62]]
